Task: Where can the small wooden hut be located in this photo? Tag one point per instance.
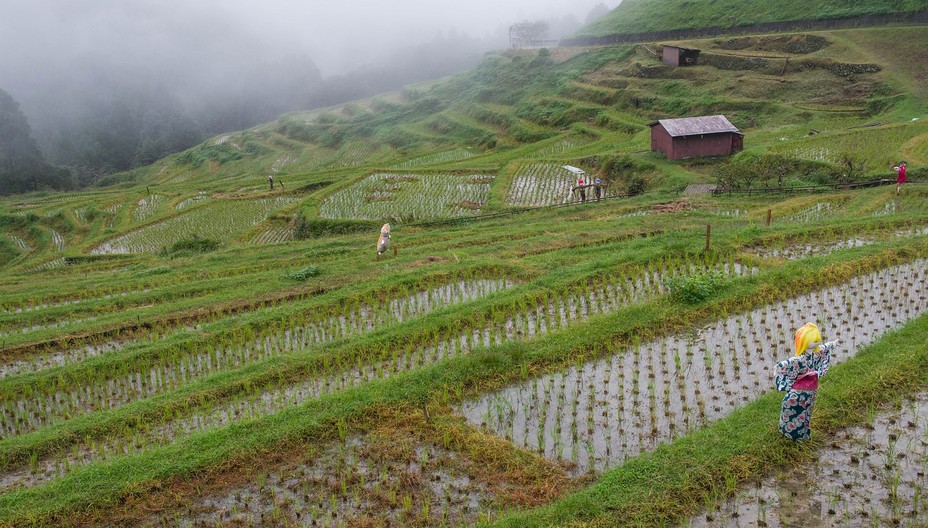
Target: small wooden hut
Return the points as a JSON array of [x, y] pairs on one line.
[[694, 137], [677, 56]]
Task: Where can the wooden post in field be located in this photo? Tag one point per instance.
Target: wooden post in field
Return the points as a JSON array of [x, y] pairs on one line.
[[769, 216], [708, 236]]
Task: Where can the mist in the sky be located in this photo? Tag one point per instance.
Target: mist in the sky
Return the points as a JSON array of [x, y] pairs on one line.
[[159, 70]]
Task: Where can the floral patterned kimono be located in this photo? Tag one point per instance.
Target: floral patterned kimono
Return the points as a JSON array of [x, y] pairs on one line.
[[798, 376]]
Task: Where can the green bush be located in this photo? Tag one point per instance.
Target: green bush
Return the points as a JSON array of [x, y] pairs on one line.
[[695, 288], [303, 274]]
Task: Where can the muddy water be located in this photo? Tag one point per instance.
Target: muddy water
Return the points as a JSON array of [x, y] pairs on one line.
[[867, 476], [349, 483], [597, 414], [554, 314]]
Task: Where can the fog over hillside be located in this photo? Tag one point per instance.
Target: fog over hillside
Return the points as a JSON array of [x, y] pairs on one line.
[[110, 84]]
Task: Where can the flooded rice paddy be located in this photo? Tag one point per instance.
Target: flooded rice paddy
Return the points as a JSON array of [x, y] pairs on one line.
[[598, 414], [865, 476], [555, 313], [800, 251], [27, 414]]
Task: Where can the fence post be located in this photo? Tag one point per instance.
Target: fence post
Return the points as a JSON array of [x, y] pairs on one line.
[[708, 236], [769, 216]]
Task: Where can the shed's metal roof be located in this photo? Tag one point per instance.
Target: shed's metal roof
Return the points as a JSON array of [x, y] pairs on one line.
[[691, 126]]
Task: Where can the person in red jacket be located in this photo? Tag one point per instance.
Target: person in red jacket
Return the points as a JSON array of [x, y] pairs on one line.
[[900, 179]]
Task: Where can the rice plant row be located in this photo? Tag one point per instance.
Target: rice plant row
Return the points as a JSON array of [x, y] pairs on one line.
[[598, 414], [20, 243], [275, 233], [81, 214], [551, 314], [193, 200], [563, 146], [282, 162], [59, 262], [909, 202], [32, 305], [800, 251], [222, 221], [434, 159], [147, 207], [879, 147], [406, 197], [30, 327], [353, 155], [58, 358], [811, 214], [31, 413], [57, 240], [540, 184]]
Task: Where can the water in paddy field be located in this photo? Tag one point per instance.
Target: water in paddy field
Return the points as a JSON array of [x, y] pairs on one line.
[[600, 413], [800, 251], [866, 476]]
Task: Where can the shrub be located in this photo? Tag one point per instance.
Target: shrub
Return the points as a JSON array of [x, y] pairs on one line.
[[695, 288], [303, 273]]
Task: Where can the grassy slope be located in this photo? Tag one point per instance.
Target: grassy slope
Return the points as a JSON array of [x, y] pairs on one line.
[[642, 16]]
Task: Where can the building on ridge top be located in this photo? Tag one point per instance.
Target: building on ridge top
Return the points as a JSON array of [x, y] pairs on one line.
[[695, 137]]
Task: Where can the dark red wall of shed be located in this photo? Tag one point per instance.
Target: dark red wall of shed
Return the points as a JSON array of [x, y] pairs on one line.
[[661, 140], [671, 56], [699, 146]]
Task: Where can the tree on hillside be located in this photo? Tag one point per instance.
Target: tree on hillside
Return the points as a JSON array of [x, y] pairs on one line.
[[22, 167], [527, 31]]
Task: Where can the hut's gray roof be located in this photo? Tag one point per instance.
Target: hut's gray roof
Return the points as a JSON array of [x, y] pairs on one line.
[[693, 126]]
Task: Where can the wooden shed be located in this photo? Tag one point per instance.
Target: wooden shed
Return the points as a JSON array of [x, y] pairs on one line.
[[677, 56], [694, 137]]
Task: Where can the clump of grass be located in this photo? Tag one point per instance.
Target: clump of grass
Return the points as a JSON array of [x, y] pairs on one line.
[[694, 289], [303, 273]]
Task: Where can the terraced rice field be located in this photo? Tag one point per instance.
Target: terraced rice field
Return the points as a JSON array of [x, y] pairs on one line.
[[436, 159], [222, 221], [880, 147], [408, 197], [539, 184], [598, 414]]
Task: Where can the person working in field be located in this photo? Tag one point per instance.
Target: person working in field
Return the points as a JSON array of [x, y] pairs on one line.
[[581, 187], [270, 180], [798, 377], [900, 175]]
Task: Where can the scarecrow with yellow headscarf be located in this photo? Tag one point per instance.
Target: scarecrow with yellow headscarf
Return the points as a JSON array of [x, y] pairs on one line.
[[798, 376], [383, 241]]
